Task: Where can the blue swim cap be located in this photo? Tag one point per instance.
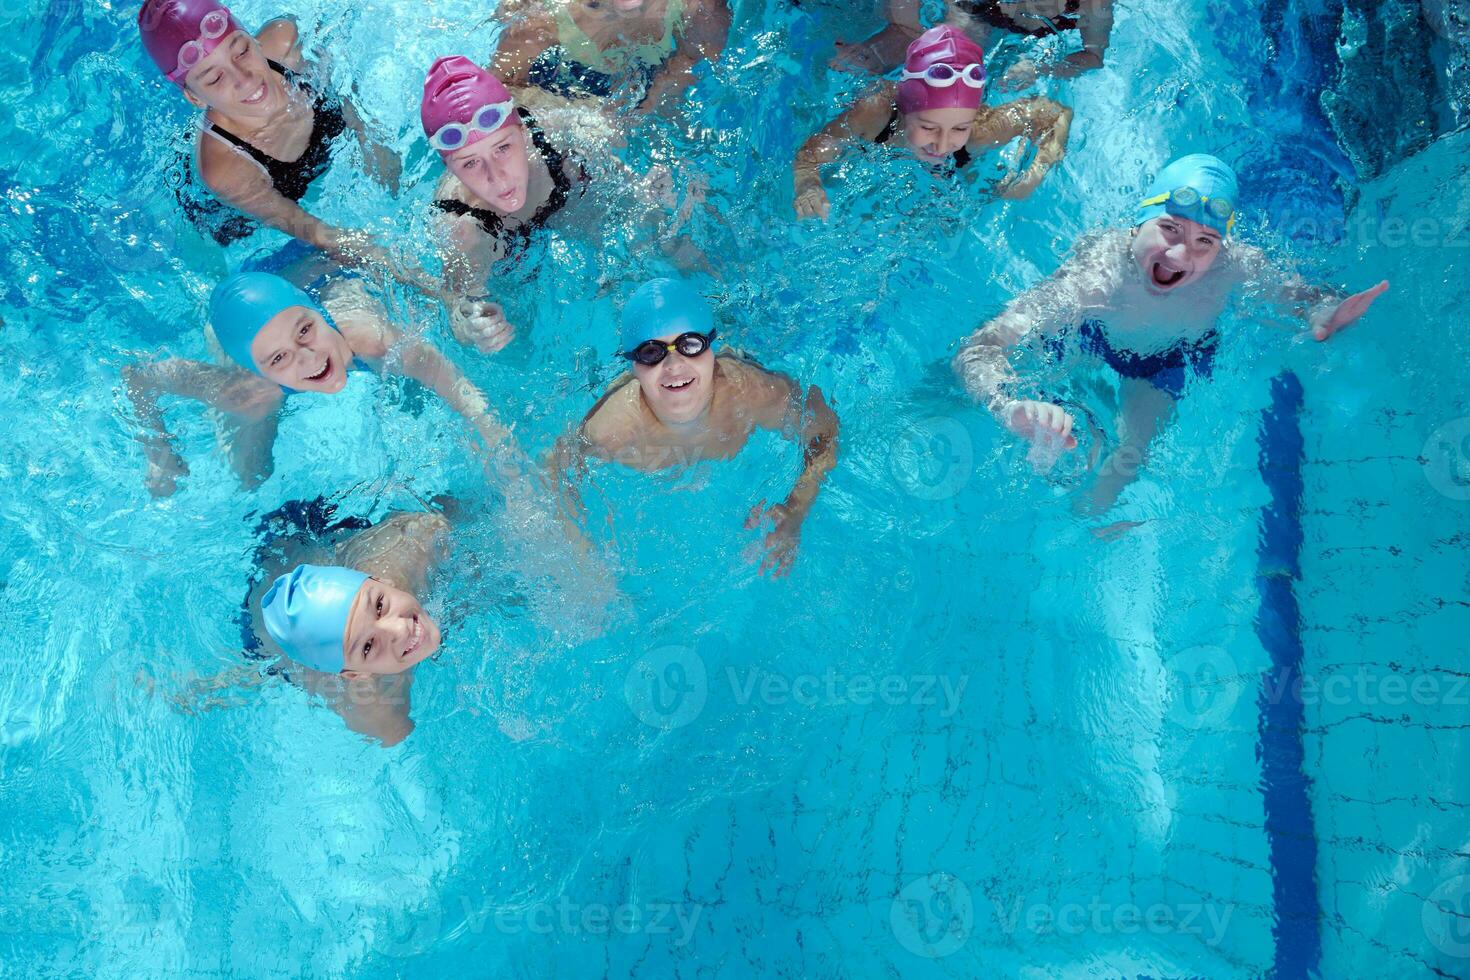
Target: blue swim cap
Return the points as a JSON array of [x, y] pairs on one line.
[[661, 307], [246, 302], [1211, 176], [305, 612]]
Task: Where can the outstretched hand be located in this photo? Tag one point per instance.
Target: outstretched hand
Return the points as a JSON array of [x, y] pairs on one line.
[[165, 469], [1040, 421], [811, 201], [1349, 311], [782, 540]]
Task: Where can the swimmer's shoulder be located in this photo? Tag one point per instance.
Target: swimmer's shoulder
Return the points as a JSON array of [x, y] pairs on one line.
[[613, 423], [870, 114], [749, 381], [280, 41]]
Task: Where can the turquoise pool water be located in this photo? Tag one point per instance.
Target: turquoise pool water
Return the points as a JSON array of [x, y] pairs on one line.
[[965, 738]]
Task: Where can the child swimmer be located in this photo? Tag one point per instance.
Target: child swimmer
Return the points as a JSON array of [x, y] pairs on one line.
[[1146, 302], [683, 404], [286, 343]]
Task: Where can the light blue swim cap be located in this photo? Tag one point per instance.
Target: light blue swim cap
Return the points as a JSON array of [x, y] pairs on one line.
[[661, 307], [1211, 176], [305, 612], [246, 302]]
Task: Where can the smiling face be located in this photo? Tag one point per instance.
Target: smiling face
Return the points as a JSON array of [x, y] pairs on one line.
[[297, 349], [678, 389], [387, 631], [496, 169], [1173, 252], [935, 135], [235, 80]]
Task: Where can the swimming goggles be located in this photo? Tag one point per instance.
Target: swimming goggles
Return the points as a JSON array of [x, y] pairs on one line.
[[943, 76], [213, 26], [1187, 199], [652, 352], [487, 119]]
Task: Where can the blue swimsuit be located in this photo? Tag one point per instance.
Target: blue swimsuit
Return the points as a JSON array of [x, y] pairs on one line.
[[1166, 370]]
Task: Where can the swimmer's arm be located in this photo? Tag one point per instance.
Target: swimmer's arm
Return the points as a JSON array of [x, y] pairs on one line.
[[251, 402], [1095, 23], [885, 49], [382, 163], [864, 121], [1327, 309], [237, 181], [427, 365], [701, 38], [983, 362], [228, 389], [1045, 123], [777, 402], [567, 464], [528, 32]]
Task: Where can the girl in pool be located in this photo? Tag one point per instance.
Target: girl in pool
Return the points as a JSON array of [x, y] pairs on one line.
[[334, 604], [504, 180], [268, 132], [1093, 21], [937, 112], [652, 50], [682, 404], [285, 342], [1146, 302]]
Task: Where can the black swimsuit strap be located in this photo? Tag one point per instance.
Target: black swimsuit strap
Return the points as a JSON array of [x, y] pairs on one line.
[[561, 189], [322, 109]]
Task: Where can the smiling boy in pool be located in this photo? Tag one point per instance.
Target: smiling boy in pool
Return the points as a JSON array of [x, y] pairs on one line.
[[683, 404], [1146, 302], [334, 605], [286, 342]]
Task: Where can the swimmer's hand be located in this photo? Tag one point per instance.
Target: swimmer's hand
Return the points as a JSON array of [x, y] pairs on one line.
[[384, 166], [783, 538], [811, 199], [165, 467], [1038, 421], [1348, 312], [480, 325], [1021, 75], [657, 187]]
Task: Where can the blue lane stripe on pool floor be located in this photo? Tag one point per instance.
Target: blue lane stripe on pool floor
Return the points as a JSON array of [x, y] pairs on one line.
[[1289, 828]]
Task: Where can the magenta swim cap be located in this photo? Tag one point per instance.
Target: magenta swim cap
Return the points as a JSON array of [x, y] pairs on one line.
[[180, 33], [455, 90], [943, 45]]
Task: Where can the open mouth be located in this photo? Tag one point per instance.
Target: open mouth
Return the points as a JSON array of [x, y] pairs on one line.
[[683, 384], [1164, 277], [322, 374], [415, 637], [257, 96]]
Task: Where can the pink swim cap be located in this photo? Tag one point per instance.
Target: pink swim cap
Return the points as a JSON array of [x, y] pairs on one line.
[[180, 33], [455, 90], [943, 45]]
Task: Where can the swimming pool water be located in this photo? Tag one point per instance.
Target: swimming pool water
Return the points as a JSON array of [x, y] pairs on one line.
[[965, 738]]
